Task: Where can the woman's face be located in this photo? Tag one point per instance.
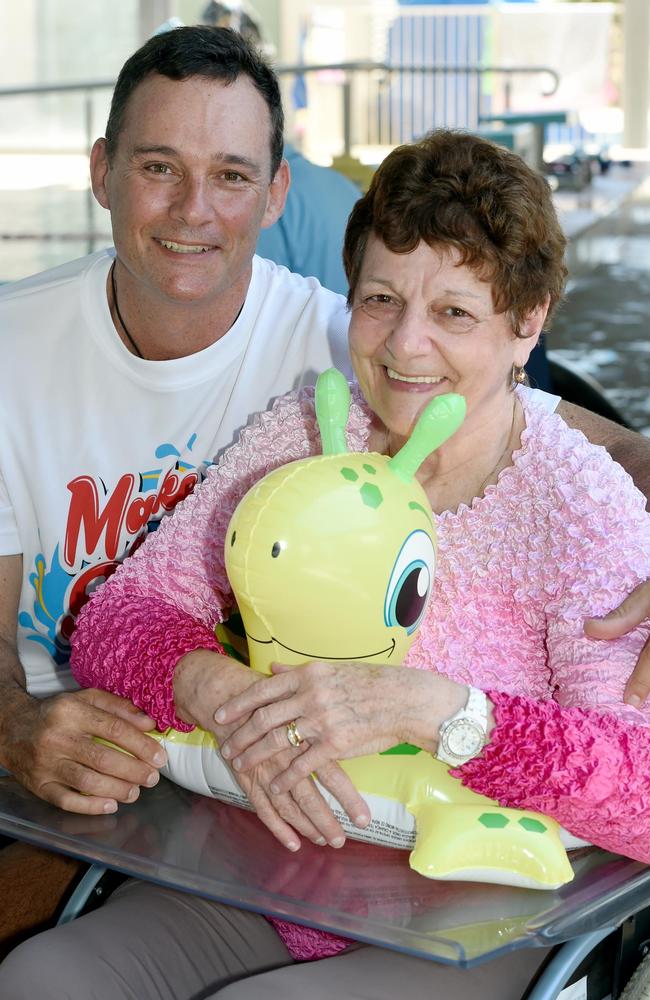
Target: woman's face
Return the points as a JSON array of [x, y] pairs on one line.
[[423, 325]]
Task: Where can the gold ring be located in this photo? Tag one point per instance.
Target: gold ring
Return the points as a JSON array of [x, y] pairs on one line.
[[293, 734]]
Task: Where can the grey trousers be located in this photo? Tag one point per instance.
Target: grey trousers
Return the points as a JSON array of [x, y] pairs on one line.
[[151, 943]]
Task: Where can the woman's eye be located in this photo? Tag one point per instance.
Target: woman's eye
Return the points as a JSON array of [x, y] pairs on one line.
[[380, 306], [411, 579], [376, 301], [455, 320]]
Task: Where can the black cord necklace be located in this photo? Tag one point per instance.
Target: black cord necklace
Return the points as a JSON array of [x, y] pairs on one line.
[[119, 315]]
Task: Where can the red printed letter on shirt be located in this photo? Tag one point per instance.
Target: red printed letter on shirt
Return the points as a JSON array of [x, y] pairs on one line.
[[85, 514]]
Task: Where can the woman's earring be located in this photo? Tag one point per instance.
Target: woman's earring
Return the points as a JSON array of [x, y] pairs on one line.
[[519, 376]]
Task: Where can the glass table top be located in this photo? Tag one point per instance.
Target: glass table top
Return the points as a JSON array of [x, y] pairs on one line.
[[177, 838]]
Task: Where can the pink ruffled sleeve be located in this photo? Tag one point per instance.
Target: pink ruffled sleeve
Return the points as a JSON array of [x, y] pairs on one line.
[[166, 599], [584, 756]]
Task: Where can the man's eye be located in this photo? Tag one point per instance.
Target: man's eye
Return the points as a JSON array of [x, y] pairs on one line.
[[232, 177], [159, 168]]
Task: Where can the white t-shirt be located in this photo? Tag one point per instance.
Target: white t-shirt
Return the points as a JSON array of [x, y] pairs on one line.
[[97, 444]]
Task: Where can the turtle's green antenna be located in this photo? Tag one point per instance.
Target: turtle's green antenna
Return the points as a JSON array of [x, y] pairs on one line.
[[437, 422], [332, 409]]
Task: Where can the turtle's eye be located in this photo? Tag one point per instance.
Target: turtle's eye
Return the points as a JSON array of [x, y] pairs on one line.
[[276, 549], [410, 582]]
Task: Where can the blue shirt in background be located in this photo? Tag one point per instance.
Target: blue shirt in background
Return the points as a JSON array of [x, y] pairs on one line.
[[308, 238]]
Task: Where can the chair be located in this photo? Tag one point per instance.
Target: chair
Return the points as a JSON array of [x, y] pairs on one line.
[[583, 390], [613, 962], [89, 893]]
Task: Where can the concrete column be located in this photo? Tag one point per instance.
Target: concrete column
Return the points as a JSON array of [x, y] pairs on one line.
[[636, 76]]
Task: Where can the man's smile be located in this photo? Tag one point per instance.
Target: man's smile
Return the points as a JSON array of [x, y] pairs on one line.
[[186, 247]]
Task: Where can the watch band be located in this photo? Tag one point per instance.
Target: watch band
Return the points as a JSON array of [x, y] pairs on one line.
[[464, 735]]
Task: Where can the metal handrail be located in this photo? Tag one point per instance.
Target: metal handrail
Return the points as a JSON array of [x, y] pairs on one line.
[[367, 66], [300, 68]]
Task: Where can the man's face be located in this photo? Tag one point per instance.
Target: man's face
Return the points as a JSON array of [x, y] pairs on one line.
[[189, 187]]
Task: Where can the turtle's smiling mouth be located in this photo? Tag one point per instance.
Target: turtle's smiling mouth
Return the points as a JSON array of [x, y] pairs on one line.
[[319, 656]]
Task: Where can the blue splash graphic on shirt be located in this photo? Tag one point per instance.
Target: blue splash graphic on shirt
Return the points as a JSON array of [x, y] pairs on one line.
[[50, 588], [167, 450]]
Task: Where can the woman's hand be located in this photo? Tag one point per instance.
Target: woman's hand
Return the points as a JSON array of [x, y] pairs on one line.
[[302, 809], [340, 710], [634, 610], [203, 680]]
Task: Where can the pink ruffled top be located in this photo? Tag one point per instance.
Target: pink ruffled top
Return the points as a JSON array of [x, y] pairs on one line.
[[562, 536]]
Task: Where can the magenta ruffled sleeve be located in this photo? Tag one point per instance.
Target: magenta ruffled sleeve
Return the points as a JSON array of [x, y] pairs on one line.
[[147, 641]]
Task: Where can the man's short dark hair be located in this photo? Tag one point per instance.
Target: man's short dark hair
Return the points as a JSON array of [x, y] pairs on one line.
[[217, 53]]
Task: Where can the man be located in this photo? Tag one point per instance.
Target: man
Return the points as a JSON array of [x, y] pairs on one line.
[[125, 374]]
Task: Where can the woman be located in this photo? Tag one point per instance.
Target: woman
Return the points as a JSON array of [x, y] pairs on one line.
[[455, 263]]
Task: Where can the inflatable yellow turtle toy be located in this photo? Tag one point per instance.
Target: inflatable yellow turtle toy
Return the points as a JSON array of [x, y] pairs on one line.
[[333, 557]]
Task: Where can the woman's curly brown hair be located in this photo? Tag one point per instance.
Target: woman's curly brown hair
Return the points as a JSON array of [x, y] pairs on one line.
[[457, 190]]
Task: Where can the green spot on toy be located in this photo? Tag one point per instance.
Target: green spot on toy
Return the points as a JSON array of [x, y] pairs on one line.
[[371, 495], [401, 750], [414, 505], [370, 469], [494, 821], [532, 825], [349, 474]]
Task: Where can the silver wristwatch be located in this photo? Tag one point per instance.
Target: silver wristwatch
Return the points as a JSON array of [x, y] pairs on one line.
[[464, 735]]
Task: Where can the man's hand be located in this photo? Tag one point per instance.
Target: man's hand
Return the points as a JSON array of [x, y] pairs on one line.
[[50, 746], [634, 610]]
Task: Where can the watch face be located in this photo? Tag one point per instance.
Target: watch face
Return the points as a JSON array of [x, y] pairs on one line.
[[463, 738]]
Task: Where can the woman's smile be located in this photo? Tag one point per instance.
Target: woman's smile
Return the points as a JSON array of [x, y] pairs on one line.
[[402, 382]]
